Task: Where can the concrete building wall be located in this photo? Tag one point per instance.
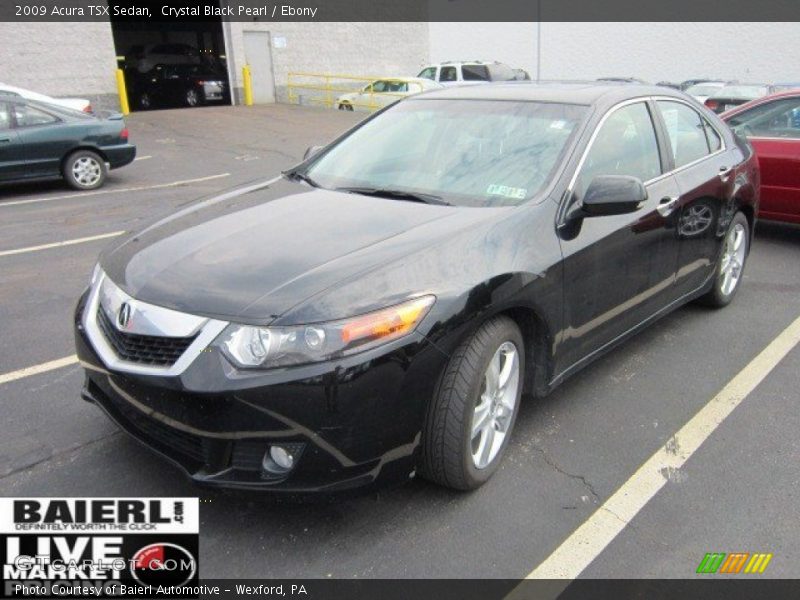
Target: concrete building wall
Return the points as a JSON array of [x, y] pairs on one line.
[[61, 59], [362, 49]]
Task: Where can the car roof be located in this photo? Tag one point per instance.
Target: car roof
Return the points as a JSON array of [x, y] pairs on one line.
[[586, 93]]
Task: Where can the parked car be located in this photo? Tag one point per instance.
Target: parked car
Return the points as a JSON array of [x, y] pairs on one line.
[[669, 84], [472, 72], [622, 80], [80, 104], [144, 58], [772, 125], [685, 85], [702, 91], [783, 87], [735, 94], [378, 311], [40, 140], [383, 92], [180, 85]]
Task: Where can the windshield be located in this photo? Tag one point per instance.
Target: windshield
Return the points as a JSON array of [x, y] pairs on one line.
[[467, 152]]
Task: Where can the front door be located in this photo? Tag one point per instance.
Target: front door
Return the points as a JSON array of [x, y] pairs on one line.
[[618, 270], [12, 159]]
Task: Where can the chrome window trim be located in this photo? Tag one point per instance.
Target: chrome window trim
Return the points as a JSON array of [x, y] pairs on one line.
[[208, 330], [644, 100], [774, 139]]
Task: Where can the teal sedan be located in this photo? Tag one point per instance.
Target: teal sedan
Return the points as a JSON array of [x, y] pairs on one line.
[[43, 141]]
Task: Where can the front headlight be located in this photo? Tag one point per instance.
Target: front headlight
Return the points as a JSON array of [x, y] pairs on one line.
[[247, 346]]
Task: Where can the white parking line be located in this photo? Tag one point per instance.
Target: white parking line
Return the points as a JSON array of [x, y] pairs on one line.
[[145, 157], [591, 538], [37, 369], [83, 240], [114, 190]]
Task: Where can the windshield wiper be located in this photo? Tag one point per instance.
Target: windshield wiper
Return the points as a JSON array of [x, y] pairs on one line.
[[301, 176], [397, 194]]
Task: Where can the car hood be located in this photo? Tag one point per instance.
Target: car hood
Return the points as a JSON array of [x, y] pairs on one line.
[[254, 253]]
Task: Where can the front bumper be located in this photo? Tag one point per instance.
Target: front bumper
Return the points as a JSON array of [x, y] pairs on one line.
[[353, 423]]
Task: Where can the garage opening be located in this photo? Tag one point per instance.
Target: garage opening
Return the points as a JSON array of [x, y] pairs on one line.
[[172, 65]]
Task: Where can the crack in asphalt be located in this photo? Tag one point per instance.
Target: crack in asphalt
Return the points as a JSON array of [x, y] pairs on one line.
[[580, 478], [57, 455]]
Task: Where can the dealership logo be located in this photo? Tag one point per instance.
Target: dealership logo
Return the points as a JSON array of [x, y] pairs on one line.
[[124, 315], [734, 563], [163, 564]]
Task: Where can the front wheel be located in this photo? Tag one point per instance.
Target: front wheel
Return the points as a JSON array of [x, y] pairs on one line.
[[84, 170], [471, 416], [730, 266]]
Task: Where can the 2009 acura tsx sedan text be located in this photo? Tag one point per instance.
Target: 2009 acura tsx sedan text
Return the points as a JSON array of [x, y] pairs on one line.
[[378, 311]]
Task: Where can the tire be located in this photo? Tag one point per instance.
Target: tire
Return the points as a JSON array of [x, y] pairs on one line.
[[731, 263], [451, 450], [346, 106], [193, 98], [84, 170]]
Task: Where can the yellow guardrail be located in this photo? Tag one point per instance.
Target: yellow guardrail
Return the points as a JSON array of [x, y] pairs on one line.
[[327, 89]]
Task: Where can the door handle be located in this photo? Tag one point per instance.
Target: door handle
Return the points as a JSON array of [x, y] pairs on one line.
[[724, 173], [666, 206], [5, 139]]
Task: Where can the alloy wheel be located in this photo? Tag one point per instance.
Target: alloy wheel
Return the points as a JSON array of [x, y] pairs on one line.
[[86, 171], [494, 412], [733, 259]]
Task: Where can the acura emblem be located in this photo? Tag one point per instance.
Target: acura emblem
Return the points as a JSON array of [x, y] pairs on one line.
[[124, 315]]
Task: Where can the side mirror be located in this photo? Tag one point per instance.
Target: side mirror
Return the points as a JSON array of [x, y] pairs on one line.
[[311, 151], [613, 195]]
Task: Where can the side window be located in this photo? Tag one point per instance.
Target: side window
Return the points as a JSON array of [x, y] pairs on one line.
[[686, 130], [428, 73], [379, 86], [475, 72], [5, 117], [625, 145], [448, 74], [27, 116], [780, 118]]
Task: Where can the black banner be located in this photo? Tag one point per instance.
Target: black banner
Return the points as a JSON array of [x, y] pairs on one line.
[[171, 11]]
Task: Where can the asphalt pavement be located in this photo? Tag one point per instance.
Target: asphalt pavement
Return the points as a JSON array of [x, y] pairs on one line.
[[569, 453]]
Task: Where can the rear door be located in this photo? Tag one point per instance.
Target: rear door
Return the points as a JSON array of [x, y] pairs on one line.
[[773, 129], [704, 171], [12, 159], [619, 270]]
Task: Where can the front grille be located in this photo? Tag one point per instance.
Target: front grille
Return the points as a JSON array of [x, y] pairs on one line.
[[180, 441], [143, 349]]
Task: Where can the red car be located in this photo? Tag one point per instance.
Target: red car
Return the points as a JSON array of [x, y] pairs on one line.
[[772, 124]]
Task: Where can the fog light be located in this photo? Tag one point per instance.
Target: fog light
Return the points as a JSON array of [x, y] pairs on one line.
[[278, 460]]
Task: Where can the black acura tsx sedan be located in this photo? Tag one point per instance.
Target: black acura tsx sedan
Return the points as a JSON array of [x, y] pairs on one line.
[[378, 311]]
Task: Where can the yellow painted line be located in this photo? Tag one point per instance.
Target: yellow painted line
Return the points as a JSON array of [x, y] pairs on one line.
[[114, 190], [83, 240], [40, 368], [591, 538]]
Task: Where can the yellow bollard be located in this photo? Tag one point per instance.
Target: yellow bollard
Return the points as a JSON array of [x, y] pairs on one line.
[[123, 93], [248, 86]]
